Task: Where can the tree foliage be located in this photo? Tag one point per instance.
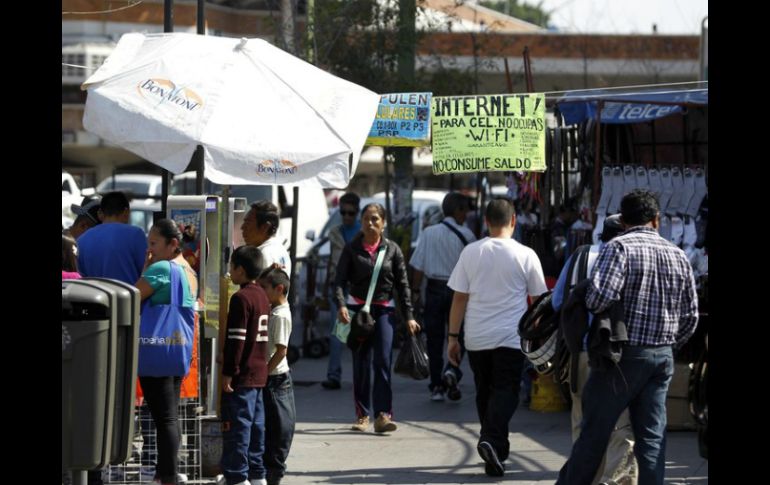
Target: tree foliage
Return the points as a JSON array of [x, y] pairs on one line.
[[533, 14]]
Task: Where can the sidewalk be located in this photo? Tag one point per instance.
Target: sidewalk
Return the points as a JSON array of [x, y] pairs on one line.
[[435, 441]]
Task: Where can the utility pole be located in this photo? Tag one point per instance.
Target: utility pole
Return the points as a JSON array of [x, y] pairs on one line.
[[403, 170]]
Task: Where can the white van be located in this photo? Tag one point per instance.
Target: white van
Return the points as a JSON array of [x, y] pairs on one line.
[[313, 211]]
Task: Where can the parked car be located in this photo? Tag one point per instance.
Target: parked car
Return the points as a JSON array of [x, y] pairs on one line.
[[137, 185], [70, 194], [142, 213]]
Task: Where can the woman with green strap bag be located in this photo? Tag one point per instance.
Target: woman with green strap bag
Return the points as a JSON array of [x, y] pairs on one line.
[[373, 269]]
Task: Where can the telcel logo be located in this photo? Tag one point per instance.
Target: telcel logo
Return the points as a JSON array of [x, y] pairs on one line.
[[164, 90]]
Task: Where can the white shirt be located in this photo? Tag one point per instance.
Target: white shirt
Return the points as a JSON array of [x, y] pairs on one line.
[[439, 249], [274, 252], [498, 274], [278, 332]]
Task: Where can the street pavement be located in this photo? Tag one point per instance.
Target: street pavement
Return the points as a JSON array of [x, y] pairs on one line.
[[435, 441]]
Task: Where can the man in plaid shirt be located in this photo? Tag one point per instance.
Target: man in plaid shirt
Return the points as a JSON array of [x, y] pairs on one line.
[[654, 281]]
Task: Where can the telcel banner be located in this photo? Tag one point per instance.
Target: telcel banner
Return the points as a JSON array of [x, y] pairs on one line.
[[500, 132], [403, 120]]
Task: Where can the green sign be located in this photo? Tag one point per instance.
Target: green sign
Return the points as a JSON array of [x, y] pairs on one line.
[[501, 132]]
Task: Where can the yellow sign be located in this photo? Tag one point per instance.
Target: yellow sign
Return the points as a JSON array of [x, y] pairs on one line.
[[501, 132]]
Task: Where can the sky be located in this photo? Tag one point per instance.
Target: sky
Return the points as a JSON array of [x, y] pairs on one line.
[[625, 16]]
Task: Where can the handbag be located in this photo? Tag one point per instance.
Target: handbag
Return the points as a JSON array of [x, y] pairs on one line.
[[166, 333], [361, 322]]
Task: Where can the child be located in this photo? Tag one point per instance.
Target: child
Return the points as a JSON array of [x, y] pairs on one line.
[[244, 373], [280, 415]]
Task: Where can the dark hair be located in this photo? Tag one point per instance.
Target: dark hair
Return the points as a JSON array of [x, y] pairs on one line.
[[611, 228], [69, 262], [114, 203], [250, 259], [380, 209], [168, 230], [454, 201], [638, 207], [350, 198], [266, 212], [274, 277], [499, 211]]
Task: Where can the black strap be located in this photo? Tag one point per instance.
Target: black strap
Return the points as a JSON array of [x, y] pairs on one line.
[[459, 234], [579, 260]]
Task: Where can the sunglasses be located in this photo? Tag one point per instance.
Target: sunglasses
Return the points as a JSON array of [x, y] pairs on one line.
[[348, 213]]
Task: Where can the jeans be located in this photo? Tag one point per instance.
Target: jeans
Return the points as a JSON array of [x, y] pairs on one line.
[[280, 418], [438, 301], [334, 370], [639, 382], [496, 373], [162, 397], [377, 354], [243, 434]]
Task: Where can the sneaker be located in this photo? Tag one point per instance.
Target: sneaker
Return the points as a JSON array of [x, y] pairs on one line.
[[273, 481], [453, 389], [361, 424], [492, 467], [383, 424], [331, 384], [437, 395], [257, 481], [181, 478]]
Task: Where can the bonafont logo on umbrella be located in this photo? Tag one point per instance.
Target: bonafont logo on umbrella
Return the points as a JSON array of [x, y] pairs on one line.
[[164, 90], [273, 168]]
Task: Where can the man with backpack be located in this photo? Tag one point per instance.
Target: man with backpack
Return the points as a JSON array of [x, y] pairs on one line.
[[435, 257], [619, 463]]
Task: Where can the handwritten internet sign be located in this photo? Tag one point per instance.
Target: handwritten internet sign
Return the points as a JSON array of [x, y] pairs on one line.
[[500, 132], [403, 120]]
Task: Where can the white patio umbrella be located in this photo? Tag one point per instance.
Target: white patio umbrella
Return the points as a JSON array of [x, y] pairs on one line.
[[262, 115]]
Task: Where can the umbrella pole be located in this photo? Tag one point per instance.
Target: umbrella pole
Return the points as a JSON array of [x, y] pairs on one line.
[[293, 247]]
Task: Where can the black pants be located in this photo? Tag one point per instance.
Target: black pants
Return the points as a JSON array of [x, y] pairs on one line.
[[438, 301], [280, 418], [162, 396], [496, 373]]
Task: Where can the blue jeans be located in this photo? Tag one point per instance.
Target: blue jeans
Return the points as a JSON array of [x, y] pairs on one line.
[[438, 301], [639, 382], [334, 370], [497, 375], [162, 397], [280, 418], [374, 354], [243, 434]]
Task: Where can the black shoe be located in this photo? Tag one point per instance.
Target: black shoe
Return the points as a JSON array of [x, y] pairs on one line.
[[452, 389], [487, 452], [331, 384]]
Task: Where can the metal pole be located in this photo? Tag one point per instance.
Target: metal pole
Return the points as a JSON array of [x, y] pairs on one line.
[[168, 26], [597, 159], [197, 159], [293, 248]]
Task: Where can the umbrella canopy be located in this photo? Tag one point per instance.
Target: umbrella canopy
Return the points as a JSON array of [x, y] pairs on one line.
[[262, 115]]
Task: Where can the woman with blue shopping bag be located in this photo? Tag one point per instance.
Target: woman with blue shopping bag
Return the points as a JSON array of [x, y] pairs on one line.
[[168, 287]]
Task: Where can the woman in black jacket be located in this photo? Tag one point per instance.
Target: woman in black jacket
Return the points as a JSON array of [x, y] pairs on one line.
[[355, 268]]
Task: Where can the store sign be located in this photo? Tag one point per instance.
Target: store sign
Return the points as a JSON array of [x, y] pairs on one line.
[[403, 119], [502, 132]]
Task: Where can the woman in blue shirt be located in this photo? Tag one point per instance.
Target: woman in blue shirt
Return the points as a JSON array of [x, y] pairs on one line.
[[162, 393]]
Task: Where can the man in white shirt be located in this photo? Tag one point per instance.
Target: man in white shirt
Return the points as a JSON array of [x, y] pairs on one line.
[[436, 254], [259, 228], [491, 282]]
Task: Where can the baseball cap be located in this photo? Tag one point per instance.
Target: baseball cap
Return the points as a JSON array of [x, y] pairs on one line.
[[89, 207]]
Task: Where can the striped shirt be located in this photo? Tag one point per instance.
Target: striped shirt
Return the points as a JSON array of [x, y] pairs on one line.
[[439, 249], [654, 280]]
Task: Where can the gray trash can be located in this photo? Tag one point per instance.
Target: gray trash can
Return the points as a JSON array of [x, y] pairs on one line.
[[127, 326], [88, 375]]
